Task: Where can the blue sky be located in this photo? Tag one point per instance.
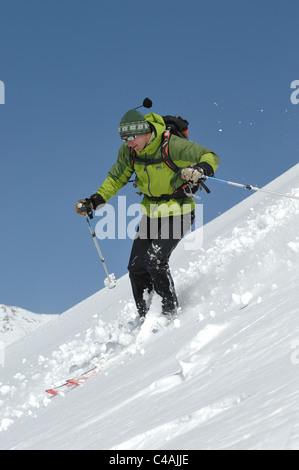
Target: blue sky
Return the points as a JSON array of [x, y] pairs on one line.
[[72, 68]]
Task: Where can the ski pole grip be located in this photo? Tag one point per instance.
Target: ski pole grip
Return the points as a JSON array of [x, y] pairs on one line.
[[84, 208], [81, 207]]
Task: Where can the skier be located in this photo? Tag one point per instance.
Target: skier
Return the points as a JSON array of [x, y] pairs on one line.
[[168, 210]]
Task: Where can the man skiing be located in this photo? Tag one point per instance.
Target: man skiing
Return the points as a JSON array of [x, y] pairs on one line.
[[168, 206]]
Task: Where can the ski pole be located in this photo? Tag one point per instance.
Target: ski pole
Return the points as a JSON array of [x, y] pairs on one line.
[[249, 187], [110, 277]]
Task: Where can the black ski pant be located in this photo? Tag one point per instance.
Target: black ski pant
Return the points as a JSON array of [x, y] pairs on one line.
[[149, 261]]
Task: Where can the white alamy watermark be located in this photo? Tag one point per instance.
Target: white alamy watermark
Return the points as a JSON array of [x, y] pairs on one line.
[[295, 354], [121, 223], [2, 353], [2, 92], [295, 94]]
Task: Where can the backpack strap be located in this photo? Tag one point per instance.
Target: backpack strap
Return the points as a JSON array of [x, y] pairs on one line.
[[165, 152], [133, 157], [179, 193], [146, 161], [170, 163]]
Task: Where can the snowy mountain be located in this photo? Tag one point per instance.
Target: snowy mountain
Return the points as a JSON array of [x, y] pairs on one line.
[[16, 322], [223, 376]]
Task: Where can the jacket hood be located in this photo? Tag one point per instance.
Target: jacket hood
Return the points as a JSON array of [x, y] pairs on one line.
[[158, 123]]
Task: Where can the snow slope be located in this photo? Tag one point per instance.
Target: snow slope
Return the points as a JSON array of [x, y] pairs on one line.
[[16, 322], [224, 376]]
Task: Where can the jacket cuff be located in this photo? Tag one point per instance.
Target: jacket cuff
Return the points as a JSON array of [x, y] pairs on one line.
[[206, 167], [97, 200]]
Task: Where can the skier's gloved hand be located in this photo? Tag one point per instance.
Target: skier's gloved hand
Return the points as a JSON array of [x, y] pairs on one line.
[[195, 172], [86, 206], [192, 173]]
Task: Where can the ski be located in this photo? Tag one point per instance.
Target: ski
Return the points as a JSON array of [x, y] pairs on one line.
[[154, 327], [69, 384], [75, 382]]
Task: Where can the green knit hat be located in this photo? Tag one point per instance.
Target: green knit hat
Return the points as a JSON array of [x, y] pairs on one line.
[[133, 123]]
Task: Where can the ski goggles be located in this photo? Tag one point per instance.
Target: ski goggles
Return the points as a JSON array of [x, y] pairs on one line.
[[130, 138]]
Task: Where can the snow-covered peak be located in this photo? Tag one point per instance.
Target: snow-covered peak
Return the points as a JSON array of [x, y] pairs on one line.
[[17, 322]]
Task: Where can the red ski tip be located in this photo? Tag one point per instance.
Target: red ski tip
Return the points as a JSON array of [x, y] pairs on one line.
[[73, 382], [52, 392]]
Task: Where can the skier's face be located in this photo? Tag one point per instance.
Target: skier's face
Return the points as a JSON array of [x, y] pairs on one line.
[[139, 142]]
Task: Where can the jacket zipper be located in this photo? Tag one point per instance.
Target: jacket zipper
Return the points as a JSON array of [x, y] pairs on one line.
[[149, 189], [148, 185]]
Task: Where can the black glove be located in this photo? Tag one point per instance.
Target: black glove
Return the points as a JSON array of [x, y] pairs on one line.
[[97, 200], [205, 168], [86, 206]]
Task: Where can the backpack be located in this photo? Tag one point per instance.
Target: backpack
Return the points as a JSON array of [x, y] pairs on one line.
[[178, 126]]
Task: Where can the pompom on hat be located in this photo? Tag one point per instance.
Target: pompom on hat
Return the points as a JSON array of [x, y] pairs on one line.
[[134, 123]]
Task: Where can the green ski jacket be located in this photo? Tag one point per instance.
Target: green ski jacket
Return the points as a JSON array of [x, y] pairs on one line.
[[153, 180]]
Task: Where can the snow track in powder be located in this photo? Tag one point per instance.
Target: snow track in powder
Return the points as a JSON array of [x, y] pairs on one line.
[[224, 376]]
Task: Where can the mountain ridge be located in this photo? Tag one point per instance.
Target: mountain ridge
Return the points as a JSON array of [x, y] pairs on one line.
[[16, 322]]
